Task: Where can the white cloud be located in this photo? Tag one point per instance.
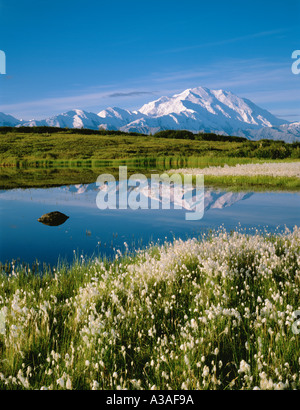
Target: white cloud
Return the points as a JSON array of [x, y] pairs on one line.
[[227, 41]]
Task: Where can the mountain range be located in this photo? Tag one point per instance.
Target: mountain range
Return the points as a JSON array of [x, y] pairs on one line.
[[197, 109]]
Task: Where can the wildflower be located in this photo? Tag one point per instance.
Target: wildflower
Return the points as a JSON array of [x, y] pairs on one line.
[[205, 372], [184, 386], [279, 386], [68, 384], [61, 382], [216, 352], [95, 385], [244, 367]]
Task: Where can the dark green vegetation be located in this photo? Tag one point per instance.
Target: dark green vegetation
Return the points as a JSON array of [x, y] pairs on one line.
[[54, 130], [187, 135]]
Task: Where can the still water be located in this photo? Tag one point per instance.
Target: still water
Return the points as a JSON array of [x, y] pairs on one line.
[[90, 231]]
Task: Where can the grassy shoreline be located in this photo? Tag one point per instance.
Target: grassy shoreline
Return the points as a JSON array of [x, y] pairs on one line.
[[65, 173], [215, 314]]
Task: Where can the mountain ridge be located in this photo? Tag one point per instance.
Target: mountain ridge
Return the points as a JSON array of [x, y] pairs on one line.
[[195, 109]]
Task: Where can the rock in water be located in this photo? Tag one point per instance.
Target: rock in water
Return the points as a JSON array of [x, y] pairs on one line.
[[53, 219]]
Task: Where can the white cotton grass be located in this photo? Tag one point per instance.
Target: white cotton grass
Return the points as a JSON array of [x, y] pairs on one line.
[[216, 313], [278, 169]]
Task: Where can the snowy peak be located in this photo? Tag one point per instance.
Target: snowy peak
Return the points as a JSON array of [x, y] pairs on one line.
[[115, 113], [116, 118], [151, 109], [212, 107]]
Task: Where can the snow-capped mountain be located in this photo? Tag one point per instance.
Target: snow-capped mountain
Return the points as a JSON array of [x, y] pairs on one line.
[[200, 109], [214, 110], [196, 109], [70, 119]]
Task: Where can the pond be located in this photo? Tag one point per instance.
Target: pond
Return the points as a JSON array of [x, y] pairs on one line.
[[89, 231]]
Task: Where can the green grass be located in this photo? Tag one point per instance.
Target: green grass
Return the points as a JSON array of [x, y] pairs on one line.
[[52, 148], [56, 148], [214, 314], [36, 159]]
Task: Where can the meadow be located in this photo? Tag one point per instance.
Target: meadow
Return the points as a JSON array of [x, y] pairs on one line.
[[62, 148], [209, 314], [43, 147]]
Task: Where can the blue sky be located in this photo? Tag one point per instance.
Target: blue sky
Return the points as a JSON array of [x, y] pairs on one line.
[[64, 54]]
